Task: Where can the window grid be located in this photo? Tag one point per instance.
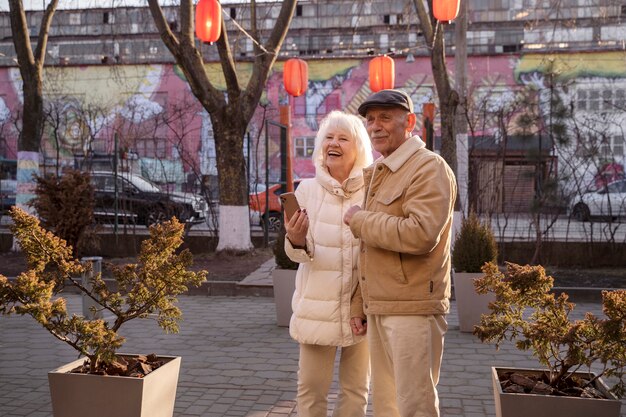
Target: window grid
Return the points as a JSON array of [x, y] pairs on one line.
[[304, 146]]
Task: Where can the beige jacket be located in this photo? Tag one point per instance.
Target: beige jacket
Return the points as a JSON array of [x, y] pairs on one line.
[[327, 277], [405, 231]]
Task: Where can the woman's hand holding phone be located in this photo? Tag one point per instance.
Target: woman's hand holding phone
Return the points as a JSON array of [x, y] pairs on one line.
[[296, 220]]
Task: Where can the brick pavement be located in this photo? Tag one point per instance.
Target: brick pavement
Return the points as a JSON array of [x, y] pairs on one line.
[[235, 361]]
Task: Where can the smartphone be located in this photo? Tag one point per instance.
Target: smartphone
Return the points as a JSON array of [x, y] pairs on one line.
[[289, 203]]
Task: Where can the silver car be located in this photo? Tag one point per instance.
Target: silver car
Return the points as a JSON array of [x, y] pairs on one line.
[[609, 202]]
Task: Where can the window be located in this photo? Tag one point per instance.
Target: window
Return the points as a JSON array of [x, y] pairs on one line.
[[607, 99], [610, 146], [108, 18], [151, 148], [386, 19], [75, 19], [581, 100], [620, 100], [618, 145], [594, 100], [299, 10], [304, 147], [233, 13]]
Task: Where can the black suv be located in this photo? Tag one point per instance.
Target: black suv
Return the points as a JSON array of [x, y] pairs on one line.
[[139, 201]]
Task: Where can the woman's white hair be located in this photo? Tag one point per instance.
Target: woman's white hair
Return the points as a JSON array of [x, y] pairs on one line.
[[351, 124]]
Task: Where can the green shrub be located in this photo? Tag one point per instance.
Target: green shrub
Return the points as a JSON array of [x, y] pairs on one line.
[[473, 246]]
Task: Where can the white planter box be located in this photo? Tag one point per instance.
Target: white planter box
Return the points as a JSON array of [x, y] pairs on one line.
[[469, 304], [82, 395], [533, 405]]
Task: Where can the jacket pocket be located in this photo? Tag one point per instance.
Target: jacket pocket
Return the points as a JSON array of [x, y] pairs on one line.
[[388, 198]]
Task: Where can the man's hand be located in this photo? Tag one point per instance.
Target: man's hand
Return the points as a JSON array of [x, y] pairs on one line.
[[297, 227], [348, 216], [358, 326]]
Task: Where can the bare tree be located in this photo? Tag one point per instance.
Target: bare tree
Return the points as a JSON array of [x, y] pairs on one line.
[[231, 110], [31, 70], [448, 97]]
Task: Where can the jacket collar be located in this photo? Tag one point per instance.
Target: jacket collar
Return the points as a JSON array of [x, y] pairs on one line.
[[351, 185], [398, 157]]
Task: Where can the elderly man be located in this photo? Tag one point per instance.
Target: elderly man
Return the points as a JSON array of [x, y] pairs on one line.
[[405, 231]]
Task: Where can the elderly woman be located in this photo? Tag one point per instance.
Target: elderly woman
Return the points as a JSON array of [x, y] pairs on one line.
[[327, 252]]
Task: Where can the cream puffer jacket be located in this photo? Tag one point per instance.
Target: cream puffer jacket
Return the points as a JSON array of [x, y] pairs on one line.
[[327, 276]]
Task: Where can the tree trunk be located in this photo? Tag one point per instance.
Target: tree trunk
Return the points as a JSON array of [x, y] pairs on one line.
[[32, 118], [230, 110], [448, 98], [231, 166], [31, 70]]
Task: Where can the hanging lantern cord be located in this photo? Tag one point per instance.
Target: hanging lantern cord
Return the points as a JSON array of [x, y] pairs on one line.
[[434, 36], [246, 33]]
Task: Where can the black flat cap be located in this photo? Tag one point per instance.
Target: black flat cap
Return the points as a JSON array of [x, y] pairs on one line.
[[387, 98]]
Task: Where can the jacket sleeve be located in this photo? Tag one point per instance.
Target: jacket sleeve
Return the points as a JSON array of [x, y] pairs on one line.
[[356, 303], [427, 205], [302, 255]]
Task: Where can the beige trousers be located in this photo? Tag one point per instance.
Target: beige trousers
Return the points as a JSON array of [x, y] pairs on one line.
[[316, 374], [406, 356]]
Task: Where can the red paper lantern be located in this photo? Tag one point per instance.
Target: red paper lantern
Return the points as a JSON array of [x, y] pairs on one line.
[[382, 73], [208, 20], [446, 10], [296, 76]]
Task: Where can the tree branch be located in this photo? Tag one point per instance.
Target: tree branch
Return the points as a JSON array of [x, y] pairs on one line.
[[46, 21], [21, 38], [263, 62], [425, 21]]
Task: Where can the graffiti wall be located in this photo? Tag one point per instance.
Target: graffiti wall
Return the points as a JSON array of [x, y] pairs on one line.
[[148, 111]]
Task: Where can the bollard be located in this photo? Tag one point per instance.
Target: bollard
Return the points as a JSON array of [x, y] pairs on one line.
[[88, 302]]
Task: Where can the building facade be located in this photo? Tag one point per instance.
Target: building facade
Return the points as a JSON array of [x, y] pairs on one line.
[[554, 75]]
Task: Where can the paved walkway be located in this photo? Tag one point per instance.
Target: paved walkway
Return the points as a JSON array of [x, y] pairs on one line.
[[235, 361]]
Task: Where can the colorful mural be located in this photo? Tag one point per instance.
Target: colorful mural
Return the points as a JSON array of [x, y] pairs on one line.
[[154, 114]]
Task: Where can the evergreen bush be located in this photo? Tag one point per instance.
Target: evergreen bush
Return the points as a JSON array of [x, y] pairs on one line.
[[474, 246], [527, 312], [147, 289]]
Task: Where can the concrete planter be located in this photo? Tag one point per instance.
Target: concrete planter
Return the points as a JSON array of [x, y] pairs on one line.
[[284, 286], [469, 304], [80, 395], [524, 405]]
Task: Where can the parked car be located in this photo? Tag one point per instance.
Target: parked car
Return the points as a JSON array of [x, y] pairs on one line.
[[257, 201], [142, 202], [609, 202]]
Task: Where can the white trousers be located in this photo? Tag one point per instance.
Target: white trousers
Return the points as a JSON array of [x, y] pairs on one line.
[[315, 376], [406, 356]]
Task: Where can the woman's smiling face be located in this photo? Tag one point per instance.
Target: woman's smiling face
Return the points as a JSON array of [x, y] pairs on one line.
[[339, 150]]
